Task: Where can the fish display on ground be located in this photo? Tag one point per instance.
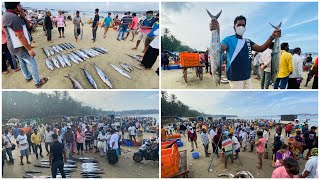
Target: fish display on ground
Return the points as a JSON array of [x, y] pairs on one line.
[[103, 76], [49, 64], [119, 70], [90, 79], [90, 169], [215, 50], [75, 83]]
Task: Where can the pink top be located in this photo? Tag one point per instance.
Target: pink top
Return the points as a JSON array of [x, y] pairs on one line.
[[80, 137], [281, 172], [135, 22], [60, 21], [4, 36], [261, 146]]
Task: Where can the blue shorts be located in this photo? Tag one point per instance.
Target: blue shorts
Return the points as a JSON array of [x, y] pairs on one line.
[[237, 151], [25, 152]]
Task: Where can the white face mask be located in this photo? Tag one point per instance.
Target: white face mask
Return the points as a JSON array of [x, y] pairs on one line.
[[240, 30]]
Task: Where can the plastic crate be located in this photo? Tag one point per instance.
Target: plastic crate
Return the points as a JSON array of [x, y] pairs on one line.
[[170, 161]]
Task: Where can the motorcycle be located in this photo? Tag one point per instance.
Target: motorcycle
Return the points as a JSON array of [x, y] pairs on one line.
[[148, 151]]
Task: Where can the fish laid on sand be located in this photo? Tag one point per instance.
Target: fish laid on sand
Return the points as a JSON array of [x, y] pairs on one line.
[[75, 83], [119, 70], [90, 79], [125, 67], [135, 57], [46, 52], [66, 60], [61, 61], [276, 53], [103, 76], [55, 62], [49, 64], [240, 174], [214, 54]]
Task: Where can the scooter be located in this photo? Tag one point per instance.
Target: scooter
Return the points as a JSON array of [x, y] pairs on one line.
[[148, 151]]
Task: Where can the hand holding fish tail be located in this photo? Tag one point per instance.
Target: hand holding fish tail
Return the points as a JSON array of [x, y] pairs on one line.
[[214, 25]]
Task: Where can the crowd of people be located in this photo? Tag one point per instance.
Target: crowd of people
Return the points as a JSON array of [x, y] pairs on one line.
[[231, 137], [73, 138], [17, 36]]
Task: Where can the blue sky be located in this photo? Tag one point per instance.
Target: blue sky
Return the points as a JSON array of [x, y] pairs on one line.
[[104, 6], [117, 100], [250, 103], [189, 22]]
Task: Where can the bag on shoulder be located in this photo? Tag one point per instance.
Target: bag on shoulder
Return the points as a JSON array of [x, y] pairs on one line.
[[13, 146]]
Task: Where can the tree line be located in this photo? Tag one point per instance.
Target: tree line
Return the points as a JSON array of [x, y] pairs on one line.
[[30, 105], [170, 43], [172, 106]]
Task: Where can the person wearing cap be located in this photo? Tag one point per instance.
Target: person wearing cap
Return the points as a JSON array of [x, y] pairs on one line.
[[285, 68], [124, 25], [145, 28], [192, 137], [36, 140], [309, 140], [311, 166], [14, 20], [57, 157]]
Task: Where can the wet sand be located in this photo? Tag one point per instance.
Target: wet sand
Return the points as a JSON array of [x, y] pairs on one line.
[[125, 168], [249, 161], [141, 79], [173, 79]]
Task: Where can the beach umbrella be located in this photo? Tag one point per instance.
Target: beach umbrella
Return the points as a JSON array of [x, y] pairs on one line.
[[14, 120]]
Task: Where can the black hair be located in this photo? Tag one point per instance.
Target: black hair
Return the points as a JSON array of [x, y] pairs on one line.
[[260, 133], [77, 12], [134, 14], [313, 127], [109, 13], [149, 12], [54, 136], [284, 46], [284, 146], [290, 162], [11, 5], [97, 10], [296, 50], [157, 14], [239, 18], [271, 45]]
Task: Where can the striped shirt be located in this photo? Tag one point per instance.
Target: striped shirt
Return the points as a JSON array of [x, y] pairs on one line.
[[88, 135], [125, 21]]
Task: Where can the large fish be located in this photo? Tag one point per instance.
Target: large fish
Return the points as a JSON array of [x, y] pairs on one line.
[[215, 50], [276, 53], [61, 61], [46, 52], [55, 62], [75, 83], [135, 57], [90, 79], [103, 77], [125, 67], [76, 56], [119, 70], [49, 64], [66, 60], [73, 59]]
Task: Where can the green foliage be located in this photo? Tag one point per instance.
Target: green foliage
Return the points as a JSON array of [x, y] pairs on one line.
[[28, 105], [170, 43], [174, 107]]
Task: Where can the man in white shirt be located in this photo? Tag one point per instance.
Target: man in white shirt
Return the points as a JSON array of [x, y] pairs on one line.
[[244, 140], [296, 77], [114, 142], [23, 146], [265, 67], [132, 132], [235, 144], [311, 167], [48, 139], [266, 135]]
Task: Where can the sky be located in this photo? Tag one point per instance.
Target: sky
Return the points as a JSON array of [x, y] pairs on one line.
[[103, 6], [250, 103], [189, 21], [116, 100]]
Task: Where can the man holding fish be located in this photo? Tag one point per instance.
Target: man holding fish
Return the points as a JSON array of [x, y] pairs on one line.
[[239, 50]]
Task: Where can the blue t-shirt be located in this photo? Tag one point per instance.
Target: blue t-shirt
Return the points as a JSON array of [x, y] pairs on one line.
[[154, 28], [107, 21], [239, 58], [149, 23]]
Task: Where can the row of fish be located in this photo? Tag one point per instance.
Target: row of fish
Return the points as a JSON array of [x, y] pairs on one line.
[[90, 168], [76, 56], [126, 68], [240, 174], [58, 48]]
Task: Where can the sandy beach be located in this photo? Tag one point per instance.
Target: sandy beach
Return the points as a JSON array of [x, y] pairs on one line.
[[141, 79], [125, 168], [173, 79], [248, 162]]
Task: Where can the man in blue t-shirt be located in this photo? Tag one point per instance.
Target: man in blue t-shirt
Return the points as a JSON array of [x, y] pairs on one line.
[[239, 51], [106, 23], [151, 35]]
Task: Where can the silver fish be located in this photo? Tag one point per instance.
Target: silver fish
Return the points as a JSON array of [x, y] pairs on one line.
[[46, 52], [215, 50], [73, 59], [66, 60], [224, 174], [276, 53], [55, 62], [58, 47], [125, 67], [75, 83], [61, 61], [103, 49], [49, 64], [76, 57], [55, 49], [90, 79], [131, 68], [135, 57], [103, 76], [51, 51], [119, 70]]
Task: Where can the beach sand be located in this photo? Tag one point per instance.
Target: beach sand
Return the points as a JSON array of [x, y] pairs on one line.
[[249, 161], [173, 79], [125, 168], [141, 79]]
